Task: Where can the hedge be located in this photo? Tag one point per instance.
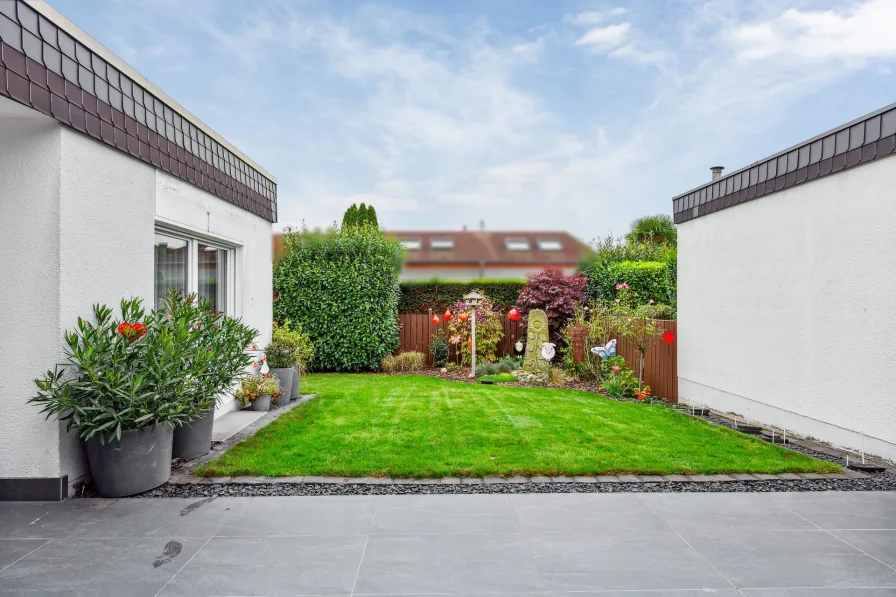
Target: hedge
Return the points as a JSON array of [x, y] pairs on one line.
[[649, 280], [343, 290], [419, 296]]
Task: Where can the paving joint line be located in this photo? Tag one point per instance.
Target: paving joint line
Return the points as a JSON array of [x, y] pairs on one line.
[[686, 542], [862, 551]]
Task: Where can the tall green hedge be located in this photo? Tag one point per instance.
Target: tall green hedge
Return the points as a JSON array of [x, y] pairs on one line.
[[648, 280], [418, 296], [343, 290]]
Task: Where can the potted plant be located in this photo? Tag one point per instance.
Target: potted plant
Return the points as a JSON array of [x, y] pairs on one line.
[[280, 361], [257, 391], [211, 351], [121, 386], [292, 336]]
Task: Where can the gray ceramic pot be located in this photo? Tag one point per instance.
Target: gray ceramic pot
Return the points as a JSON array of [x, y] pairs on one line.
[[285, 377], [194, 439], [295, 384], [262, 403], [138, 462]]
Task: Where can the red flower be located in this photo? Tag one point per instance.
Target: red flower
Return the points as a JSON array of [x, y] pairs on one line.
[[132, 331]]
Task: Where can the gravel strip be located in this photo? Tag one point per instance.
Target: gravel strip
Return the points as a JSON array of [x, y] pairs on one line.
[[877, 482]]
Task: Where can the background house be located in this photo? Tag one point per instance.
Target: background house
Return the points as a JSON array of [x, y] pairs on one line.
[[466, 255], [786, 282], [108, 189]]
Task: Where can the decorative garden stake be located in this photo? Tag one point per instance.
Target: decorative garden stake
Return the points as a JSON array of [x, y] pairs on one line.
[[513, 314], [473, 300]]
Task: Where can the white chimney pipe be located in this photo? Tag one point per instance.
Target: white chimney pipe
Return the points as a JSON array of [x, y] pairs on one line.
[[717, 172]]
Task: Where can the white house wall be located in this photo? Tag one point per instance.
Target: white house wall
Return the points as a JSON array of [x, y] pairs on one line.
[[187, 208], [29, 294], [785, 308], [106, 232], [77, 226]]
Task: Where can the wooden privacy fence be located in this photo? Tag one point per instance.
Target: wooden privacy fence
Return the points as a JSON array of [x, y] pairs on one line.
[[660, 360]]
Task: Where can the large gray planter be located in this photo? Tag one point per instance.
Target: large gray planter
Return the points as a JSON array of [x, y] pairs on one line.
[[262, 403], [194, 439], [285, 377], [138, 462], [295, 384]]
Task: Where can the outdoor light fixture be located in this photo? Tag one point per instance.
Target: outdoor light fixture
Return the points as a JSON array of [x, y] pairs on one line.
[[473, 300]]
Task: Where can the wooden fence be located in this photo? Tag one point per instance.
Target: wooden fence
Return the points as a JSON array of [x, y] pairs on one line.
[[660, 361]]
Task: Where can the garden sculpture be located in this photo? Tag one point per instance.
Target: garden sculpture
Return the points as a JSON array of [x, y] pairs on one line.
[[547, 350], [605, 352], [536, 337]]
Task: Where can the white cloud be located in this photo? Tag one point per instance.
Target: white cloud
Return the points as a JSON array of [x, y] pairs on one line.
[[440, 123], [595, 17], [605, 38], [864, 31], [632, 52]]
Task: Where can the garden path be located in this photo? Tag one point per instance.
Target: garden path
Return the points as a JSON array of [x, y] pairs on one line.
[[634, 545]]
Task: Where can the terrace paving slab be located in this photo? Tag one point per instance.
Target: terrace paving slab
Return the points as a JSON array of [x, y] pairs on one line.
[[574, 544]]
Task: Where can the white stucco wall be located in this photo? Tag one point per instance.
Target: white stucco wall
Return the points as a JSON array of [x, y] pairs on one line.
[[77, 226], [187, 208], [785, 308], [106, 236], [29, 292]]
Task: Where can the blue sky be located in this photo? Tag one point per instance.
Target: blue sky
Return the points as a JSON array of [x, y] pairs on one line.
[[535, 114]]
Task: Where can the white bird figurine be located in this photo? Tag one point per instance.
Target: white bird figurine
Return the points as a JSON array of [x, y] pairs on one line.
[[605, 352]]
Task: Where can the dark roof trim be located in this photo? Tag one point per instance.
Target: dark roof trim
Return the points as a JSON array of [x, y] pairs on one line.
[[855, 143], [45, 68]]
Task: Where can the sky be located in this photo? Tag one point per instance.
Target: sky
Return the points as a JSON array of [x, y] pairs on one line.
[[576, 115]]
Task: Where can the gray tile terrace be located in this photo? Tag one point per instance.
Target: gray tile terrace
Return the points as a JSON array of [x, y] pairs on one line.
[[731, 545]]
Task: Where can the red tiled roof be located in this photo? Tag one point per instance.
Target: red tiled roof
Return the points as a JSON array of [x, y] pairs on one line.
[[477, 247]]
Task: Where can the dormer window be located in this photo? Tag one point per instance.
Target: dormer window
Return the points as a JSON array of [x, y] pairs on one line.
[[441, 244], [411, 244], [550, 244], [517, 244]]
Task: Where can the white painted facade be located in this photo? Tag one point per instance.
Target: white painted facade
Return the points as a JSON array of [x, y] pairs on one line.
[[77, 223], [786, 313]]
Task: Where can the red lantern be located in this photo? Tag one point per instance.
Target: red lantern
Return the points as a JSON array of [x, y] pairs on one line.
[[462, 316], [447, 315], [513, 314], [435, 320], [669, 337]]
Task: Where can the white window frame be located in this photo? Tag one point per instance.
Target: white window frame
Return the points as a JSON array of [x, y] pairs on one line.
[[193, 241], [441, 243], [517, 244], [550, 245]]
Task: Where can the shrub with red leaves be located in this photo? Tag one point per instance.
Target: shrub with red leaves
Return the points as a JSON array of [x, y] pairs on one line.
[[555, 293]]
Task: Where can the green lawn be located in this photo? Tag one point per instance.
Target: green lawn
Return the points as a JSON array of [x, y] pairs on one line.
[[420, 426]]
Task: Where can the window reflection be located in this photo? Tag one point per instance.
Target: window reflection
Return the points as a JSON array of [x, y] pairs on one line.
[[170, 265], [213, 276]]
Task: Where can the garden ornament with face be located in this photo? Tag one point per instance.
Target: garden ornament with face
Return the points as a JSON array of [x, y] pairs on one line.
[[547, 350]]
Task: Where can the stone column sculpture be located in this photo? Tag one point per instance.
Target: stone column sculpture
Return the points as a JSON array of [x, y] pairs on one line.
[[536, 336]]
